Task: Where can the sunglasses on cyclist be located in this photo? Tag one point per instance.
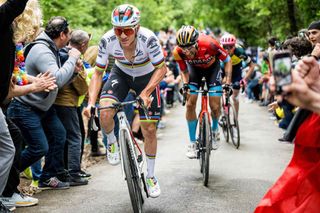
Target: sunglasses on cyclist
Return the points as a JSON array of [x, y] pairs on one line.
[[228, 47], [189, 48], [128, 31]]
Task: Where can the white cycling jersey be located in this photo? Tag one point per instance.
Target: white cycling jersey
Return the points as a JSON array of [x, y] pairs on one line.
[[148, 53]]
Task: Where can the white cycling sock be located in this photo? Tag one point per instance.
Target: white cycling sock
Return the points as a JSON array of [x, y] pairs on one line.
[[151, 159], [111, 138]]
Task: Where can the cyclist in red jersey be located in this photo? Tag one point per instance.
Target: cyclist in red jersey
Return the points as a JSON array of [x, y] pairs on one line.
[[198, 56]]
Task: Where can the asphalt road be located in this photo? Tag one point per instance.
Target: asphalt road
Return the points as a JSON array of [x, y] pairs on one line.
[[238, 178]]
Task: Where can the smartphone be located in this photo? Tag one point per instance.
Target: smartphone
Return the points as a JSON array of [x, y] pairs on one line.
[[282, 70]]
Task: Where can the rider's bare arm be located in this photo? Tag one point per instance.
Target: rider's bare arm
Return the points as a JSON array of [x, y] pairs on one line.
[[228, 70], [157, 76], [95, 87], [185, 76]]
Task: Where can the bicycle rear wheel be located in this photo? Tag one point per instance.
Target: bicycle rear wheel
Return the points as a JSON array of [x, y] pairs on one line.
[[234, 126], [224, 126], [206, 148], [131, 172], [224, 120]]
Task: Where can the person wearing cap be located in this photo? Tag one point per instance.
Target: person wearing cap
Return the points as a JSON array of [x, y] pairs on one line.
[[139, 65], [314, 32], [314, 37]]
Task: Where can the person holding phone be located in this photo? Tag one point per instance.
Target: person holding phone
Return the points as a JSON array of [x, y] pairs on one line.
[[282, 69], [297, 190], [305, 88]]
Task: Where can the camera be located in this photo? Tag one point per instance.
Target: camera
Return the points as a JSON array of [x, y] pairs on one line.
[[282, 65]]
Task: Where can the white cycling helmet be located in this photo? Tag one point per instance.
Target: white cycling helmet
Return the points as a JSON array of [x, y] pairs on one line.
[[125, 15]]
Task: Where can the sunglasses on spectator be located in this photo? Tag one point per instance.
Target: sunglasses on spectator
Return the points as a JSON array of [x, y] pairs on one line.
[[228, 47], [128, 31]]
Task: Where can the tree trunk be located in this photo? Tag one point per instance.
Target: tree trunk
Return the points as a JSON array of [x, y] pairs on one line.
[[292, 18]]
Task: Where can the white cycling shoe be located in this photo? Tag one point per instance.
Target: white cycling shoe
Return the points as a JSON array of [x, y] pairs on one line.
[[153, 187], [113, 154], [191, 151]]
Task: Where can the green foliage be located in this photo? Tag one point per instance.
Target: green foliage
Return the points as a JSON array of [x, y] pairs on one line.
[[252, 20]]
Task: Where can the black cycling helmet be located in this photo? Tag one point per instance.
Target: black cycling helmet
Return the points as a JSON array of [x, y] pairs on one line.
[[187, 36]]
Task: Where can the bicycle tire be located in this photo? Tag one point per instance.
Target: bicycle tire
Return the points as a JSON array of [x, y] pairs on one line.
[[131, 173], [224, 127], [234, 126], [200, 145], [224, 121], [206, 149]]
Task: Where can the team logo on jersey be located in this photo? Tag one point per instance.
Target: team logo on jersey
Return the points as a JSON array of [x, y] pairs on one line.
[[201, 61], [110, 92], [158, 53], [152, 43], [219, 76], [155, 50], [143, 38], [112, 38], [114, 82], [103, 44], [117, 52], [140, 53]]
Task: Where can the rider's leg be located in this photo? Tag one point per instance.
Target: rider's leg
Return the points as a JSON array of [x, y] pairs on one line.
[[150, 147], [235, 98], [149, 131], [191, 117], [214, 102], [114, 90], [106, 120]]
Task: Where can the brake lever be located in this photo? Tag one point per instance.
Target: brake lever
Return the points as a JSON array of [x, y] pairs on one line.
[[144, 108]]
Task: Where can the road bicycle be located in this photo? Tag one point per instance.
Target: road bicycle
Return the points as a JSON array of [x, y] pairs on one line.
[[132, 159], [205, 136], [229, 119]]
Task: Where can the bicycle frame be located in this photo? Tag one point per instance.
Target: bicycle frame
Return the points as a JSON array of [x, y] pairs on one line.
[[125, 127], [226, 102]]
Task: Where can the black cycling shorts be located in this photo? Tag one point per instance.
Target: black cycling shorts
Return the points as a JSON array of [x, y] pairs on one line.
[[118, 85], [236, 76], [213, 75]]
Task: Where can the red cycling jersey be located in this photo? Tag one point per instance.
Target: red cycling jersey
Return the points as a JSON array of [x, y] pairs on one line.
[[208, 50]]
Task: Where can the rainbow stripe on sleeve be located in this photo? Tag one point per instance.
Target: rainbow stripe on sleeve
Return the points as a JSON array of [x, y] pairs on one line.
[[100, 67], [158, 64]]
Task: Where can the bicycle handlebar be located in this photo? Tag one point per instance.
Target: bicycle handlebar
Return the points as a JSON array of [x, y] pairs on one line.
[[206, 91], [119, 105], [197, 91]]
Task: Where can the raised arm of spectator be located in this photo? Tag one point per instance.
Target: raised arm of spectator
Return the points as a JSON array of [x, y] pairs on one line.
[[43, 82], [9, 11], [44, 59], [305, 88]]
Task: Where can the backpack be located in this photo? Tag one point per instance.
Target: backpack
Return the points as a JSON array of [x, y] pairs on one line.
[[27, 49]]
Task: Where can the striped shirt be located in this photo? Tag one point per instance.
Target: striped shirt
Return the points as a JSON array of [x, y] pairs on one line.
[[148, 53]]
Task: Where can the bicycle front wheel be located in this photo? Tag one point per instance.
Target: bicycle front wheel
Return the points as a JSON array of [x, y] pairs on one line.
[[223, 123], [206, 148], [234, 126], [131, 172]]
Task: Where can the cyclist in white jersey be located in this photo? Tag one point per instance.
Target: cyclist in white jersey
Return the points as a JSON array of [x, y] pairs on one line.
[[139, 65]]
